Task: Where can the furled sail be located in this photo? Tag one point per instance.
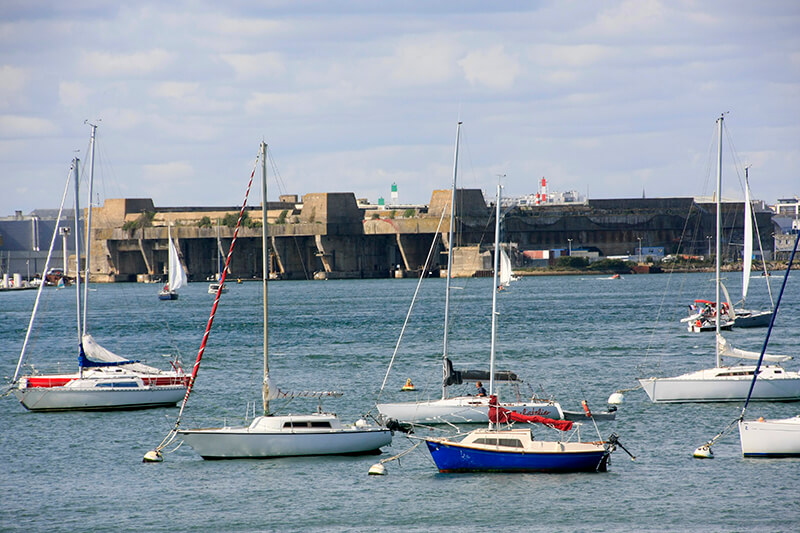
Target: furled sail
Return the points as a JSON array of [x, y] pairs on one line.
[[501, 415], [727, 350]]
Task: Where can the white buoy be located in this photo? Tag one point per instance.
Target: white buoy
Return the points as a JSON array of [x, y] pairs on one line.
[[616, 398], [703, 452], [153, 456], [377, 470]]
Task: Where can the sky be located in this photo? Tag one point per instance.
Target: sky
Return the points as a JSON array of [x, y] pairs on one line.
[[613, 99]]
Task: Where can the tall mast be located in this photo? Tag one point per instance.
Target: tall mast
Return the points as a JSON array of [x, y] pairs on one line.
[[449, 264], [265, 275], [494, 289], [719, 233], [89, 225], [75, 163]]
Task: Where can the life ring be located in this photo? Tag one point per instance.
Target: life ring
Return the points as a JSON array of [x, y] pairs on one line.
[[698, 324]]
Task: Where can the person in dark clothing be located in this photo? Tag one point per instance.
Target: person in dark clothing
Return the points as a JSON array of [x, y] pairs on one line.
[[481, 390]]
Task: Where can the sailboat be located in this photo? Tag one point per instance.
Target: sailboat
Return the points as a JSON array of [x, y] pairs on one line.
[[215, 286], [104, 380], [506, 271], [461, 409], [270, 435], [725, 383], [513, 449], [743, 317], [177, 275]]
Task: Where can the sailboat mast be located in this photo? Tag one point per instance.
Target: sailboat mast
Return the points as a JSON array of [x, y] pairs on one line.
[[89, 226], [494, 289], [75, 163], [449, 263], [719, 244], [265, 276]]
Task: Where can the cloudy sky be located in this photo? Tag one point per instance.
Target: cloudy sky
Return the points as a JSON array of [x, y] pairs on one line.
[[609, 98]]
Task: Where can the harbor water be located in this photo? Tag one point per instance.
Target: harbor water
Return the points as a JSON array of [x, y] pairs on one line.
[[572, 338]]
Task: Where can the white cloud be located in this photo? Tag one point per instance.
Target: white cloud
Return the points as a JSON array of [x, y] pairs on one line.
[[251, 66], [173, 172], [431, 61], [571, 56], [631, 16], [491, 67], [12, 85], [132, 64], [16, 126], [73, 93], [175, 90]]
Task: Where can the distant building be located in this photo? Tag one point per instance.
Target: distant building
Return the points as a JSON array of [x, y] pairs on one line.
[[788, 207], [25, 240]]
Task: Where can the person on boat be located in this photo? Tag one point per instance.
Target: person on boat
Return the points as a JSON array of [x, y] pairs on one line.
[[481, 390]]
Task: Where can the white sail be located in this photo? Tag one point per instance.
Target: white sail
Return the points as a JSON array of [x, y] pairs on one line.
[[747, 252], [177, 276], [505, 268], [727, 350]]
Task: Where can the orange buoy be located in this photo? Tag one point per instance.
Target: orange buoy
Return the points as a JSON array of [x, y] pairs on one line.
[[586, 408]]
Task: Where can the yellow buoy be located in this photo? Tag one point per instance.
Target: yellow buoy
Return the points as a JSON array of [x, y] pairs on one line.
[[153, 456], [703, 452], [408, 386], [377, 470]]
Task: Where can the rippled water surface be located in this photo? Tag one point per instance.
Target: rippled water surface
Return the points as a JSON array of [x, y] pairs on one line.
[[569, 337]]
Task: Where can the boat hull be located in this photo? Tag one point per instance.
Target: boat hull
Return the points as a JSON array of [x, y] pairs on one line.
[[167, 295], [554, 457], [76, 398], [708, 386], [462, 409], [753, 319], [770, 438], [241, 443]]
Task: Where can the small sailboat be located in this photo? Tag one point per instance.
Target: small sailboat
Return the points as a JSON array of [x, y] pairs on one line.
[[504, 448], [215, 286], [506, 270], [104, 380], [461, 409], [271, 435], [177, 275], [725, 383]]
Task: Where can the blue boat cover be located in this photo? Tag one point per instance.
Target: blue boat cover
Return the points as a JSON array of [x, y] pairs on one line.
[[85, 362]]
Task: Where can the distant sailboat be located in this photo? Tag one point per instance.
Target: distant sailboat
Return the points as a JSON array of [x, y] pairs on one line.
[[177, 275], [506, 271], [215, 285]]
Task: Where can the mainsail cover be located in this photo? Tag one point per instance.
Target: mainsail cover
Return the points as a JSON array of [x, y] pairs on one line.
[[500, 415], [727, 350], [95, 352]]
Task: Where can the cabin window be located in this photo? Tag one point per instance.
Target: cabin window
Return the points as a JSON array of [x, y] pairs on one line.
[[510, 443], [321, 425]]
